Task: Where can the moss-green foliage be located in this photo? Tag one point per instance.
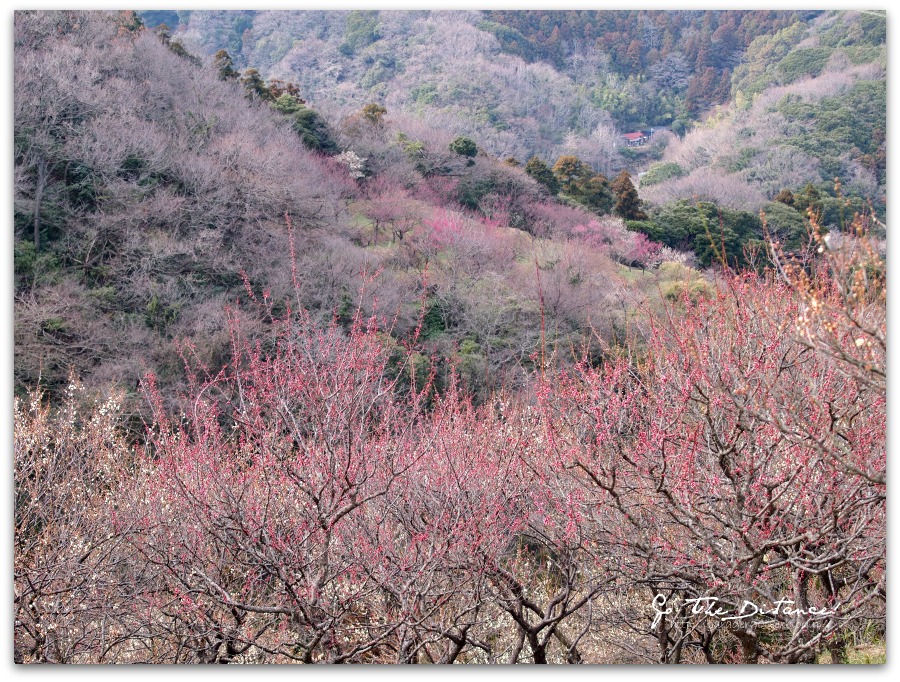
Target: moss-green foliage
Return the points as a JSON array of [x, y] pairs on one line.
[[225, 33], [471, 365], [648, 227], [470, 191], [179, 49], [224, 64], [839, 211], [676, 280], [345, 310], [694, 289], [33, 269], [633, 105], [272, 47], [164, 34], [374, 113], [868, 28], [703, 228], [415, 151], [288, 105], [570, 171], [160, 315], [255, 86], [786, 225], [360, 31], [854, 121], [24, 257], [307, 123], [874, 28], [464, 146], [658, 172], [54, 325], [578, 182], [596, 194], [778, 58], [468, 347], [381, 69], [434, 322], [541, 172], [741, 160], [106, 297], [239, 25], [803, 62], [409, 368], [511, 40], [81, 186], [427, 93], [758, 70], [865, 54]]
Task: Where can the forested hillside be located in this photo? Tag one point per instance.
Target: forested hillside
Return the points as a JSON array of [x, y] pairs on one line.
[[671, 65], [809, 110], [740, 90], [369, 337], [151, 186], [643, 67], [144, 186]]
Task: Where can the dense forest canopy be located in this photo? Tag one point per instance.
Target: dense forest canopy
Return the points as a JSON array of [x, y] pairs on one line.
[[547, 83], [443, 337]]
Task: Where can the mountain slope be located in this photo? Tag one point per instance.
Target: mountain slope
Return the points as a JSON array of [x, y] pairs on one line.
[[809, 108], [160, 190]]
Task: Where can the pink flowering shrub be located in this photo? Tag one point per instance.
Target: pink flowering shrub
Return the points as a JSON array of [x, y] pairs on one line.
[[736, 464]]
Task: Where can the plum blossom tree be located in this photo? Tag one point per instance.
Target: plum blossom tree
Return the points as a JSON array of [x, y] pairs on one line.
[[744, 462], [69, 572], [395, 210], [249, 526]]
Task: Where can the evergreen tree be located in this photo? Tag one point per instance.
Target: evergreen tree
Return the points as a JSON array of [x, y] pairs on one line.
[[165, 36], [785, 197], [373, 113], [464, 146], [225, 65], [541, 172], [361, 31], [628, 203], [809, 198], [255, 85], [313, 130], [571, 172], [287, 104], [595, 194]]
